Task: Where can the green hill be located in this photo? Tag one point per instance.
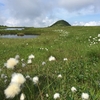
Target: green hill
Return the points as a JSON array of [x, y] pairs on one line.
[[60, 23]]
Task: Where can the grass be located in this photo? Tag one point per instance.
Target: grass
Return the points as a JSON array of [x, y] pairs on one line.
[[82, 70]]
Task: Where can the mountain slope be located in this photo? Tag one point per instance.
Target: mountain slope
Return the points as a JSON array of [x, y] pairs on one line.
[[60, 23]]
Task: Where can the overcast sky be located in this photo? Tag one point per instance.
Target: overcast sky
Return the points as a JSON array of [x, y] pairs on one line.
[[41, 13]]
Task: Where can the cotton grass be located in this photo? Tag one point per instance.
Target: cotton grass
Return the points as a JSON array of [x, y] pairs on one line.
[[31, 56], [12, 90], [85, 96], [36, 80], [51, 58], [11, 63], [14, 87], [22, 96], [18, 78], [56, 96], [73, 89], [29, 61]]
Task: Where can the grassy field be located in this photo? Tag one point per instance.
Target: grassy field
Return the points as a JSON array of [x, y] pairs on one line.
[[78, 45]]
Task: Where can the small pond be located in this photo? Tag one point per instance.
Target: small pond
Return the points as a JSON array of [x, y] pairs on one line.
[[11, 28], [16, 37]]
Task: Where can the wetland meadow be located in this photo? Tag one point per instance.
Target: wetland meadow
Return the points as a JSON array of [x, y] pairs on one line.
[[61, 63]]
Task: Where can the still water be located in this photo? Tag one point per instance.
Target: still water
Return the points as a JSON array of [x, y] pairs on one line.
[[9, 28], [16, 37]]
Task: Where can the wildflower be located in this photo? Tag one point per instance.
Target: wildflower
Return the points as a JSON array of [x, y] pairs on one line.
[[73, 89], [5, 80], [65, 59], [47, 95], [5, 76], [23, 64], [51, 58], [11, 63], [17, 57], [26, 43], [22, 97], [31, 56], [36, 80], [43, 63], [56, 96], [5, 64], [98, 40], [46, 49], [12, 90], [85, 96], [18, 78], [22, 60], [29, 61], [59, 76], [98, 35], [2, 75], [28, 77]]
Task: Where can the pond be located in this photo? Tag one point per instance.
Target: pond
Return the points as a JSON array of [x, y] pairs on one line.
[[12, 28], [16, 37]]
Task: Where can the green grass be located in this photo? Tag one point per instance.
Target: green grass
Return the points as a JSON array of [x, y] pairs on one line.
[[82, 70]]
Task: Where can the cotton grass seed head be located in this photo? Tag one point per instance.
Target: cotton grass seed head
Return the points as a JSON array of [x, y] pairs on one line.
[[18, 78], [22, 96], [31, 56], [43, 63], [11, 63], [47, 95], [59, 76], [56, 96], [17, 57], [65, 59], [29, 61], [73, 89], [36, 80], [51, 58], [85, 96], [12, 90]]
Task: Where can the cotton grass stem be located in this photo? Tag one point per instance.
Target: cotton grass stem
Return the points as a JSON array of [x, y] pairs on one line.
[[28, 89], [40, 92]]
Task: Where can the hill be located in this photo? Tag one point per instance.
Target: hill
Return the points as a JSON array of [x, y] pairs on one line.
[[60, 23]]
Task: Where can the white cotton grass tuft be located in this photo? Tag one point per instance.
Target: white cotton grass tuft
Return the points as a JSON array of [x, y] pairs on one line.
[[11, 63], [98, 40], [17, 57], [36, 80], [22, 96], [23, 64], [73, 89], [65, 59], [12, 90], [51, 58], [47, 95], [18, 78], [85, 96], [29, 61], [43, 63], [59, 76], [31, 56], [56, 96], [98, 35]]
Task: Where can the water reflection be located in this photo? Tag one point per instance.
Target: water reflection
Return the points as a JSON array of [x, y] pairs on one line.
[[9, 28]]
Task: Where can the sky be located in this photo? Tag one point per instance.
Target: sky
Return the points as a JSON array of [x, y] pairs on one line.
[[43, 13]]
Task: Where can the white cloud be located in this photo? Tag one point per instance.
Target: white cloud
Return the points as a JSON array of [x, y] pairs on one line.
[[42, 12], [91, 23]]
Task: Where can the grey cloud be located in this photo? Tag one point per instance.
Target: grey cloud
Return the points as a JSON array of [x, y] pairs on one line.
[[45, 12], [74, 5]]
